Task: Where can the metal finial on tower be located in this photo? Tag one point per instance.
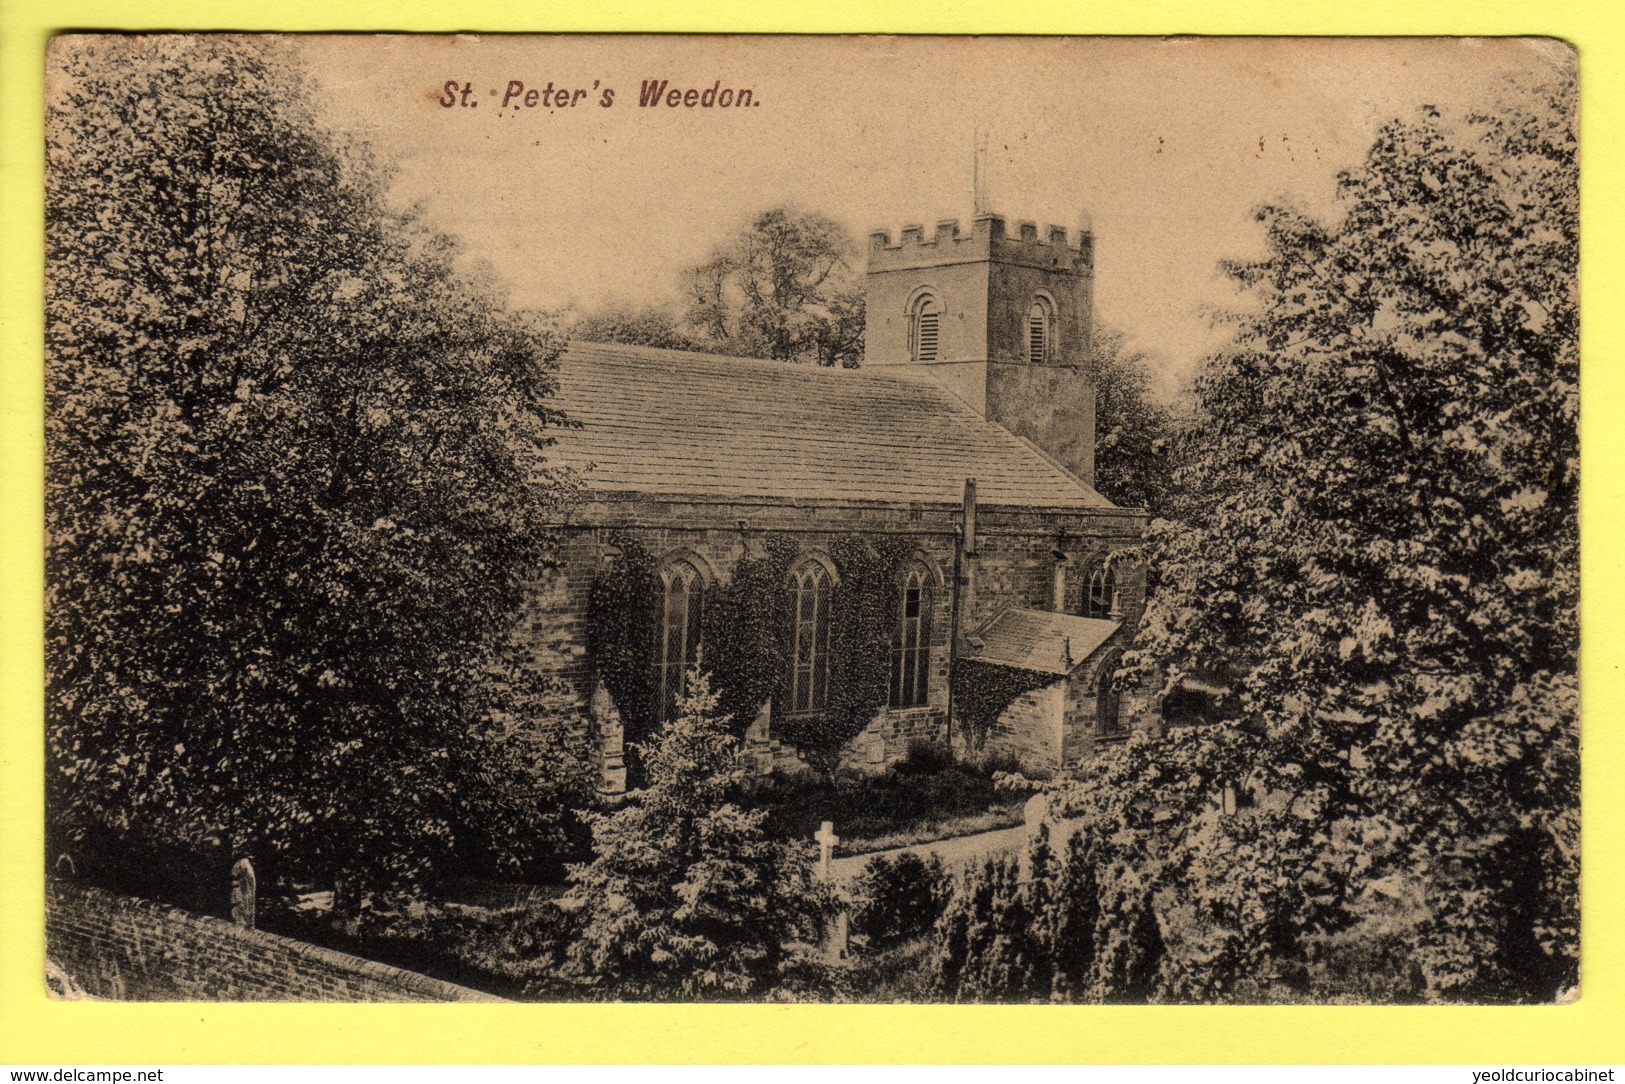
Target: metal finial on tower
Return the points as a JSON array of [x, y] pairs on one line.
[[982, 205]]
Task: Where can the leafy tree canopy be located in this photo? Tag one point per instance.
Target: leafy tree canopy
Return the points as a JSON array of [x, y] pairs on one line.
[[1378, 549], [1135, 434], [622, 322], [295, 482], [787, 287]]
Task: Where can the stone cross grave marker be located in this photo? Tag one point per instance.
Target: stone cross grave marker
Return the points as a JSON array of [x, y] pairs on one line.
[[827, 839], [835, 934]]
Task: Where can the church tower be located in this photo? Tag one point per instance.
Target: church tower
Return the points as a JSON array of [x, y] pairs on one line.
[[1003, 321]]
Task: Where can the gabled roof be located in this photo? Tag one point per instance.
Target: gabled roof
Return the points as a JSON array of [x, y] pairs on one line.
[[1048, 643], [674, 423]]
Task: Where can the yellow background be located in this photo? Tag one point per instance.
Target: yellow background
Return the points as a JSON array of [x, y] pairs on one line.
[[34, 1030]]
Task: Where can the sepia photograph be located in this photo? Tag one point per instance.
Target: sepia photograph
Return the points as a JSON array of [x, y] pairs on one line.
[[839, 519]]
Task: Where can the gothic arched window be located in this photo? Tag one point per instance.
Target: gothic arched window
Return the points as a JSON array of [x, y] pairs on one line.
[[1109, 702], [1040, 331], [684, 596], [923, 317], [1100, 593], [911, 639], [809, 664]]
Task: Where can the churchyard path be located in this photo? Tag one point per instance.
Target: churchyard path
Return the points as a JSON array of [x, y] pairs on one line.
[[956, 853]]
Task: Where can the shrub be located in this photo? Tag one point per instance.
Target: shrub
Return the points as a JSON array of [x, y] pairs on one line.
[[513, 952], [925, 758], [917, 795], [898, 899], [1003, 936]]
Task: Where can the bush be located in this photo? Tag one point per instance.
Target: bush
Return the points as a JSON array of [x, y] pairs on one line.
[[926, 758], [1005, 937], [898, 899], [919, 796]]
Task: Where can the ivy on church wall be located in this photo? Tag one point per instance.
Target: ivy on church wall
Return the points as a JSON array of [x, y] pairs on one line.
[[623, 630], [747, 627], [862, 620], [983, 691]]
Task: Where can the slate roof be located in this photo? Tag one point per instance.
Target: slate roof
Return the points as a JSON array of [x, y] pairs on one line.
[[674, 423], [1048, 643]]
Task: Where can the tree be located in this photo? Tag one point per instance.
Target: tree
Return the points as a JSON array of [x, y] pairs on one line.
[[1135, 436], [687, 898], [295, 484], [784, 288], [621, 322], [1013, 935], [1379, 547]]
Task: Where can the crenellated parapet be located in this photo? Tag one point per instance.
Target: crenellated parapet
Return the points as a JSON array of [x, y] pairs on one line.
[[988, 238]]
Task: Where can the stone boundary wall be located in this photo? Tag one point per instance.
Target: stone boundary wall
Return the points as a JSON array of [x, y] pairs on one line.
[[127, 949]]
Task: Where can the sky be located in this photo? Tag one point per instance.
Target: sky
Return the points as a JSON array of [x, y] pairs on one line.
[[1165, 146]]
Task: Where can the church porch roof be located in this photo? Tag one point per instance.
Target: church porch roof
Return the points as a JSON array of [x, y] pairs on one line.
[[1039, 640]]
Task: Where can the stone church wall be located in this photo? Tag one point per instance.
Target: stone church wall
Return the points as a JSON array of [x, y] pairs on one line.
[[1015, 564], [1030, 730]]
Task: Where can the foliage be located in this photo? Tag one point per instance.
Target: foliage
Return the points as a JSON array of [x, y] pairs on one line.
[[746, 629], [1047, 933], [516, 951], [686, 897], [519, 786], [295, 491], [898, 899], [899, 975], [623, 630], [195, 877], [787, 287], [620, 322], [984, 937], [863, 617], [982, 691], [908, 799], [1136, 437], [1384, 554]]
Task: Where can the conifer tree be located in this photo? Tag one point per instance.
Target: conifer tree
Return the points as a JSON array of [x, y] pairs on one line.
[[686, 897]]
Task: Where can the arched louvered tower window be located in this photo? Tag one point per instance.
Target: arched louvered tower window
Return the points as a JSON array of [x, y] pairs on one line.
[[1040, 331], [809, 665], [684, 597], [911, 639], [1100, 593], [923, 327]]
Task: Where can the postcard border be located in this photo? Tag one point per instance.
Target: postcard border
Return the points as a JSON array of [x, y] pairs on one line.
[[34, 1029]]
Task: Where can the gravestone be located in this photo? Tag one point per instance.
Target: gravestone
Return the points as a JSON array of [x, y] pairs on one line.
[[1033, 814], [826, 839], [244, 890], [835, 941]]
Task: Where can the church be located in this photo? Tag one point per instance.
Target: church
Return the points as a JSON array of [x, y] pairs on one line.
[[962, 451]]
